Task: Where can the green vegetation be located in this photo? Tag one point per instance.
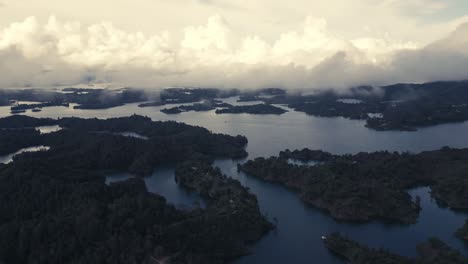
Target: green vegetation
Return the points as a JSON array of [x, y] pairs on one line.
[[56, 208], [258, 109], [365, 186], [432, 251]]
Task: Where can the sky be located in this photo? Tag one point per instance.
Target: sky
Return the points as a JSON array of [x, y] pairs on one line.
[[296, 44]]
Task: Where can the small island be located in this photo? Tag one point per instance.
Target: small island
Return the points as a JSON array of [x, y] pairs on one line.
[[258, 109], [21, 108], [225, 108], [171, 111], [204, 106]]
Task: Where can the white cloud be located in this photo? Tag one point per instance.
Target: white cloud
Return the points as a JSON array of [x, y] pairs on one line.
[[216, 55], [418, 6]]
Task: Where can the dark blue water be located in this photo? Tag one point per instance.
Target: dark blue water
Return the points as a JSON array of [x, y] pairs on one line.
[[298, 236], [300, 227], [162, 182]]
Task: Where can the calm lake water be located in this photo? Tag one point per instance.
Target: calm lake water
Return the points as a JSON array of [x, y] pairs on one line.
[[9, 158], [162, 182], [298, 236]]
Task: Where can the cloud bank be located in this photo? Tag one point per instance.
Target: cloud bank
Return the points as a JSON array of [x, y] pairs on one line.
[[215, 55]]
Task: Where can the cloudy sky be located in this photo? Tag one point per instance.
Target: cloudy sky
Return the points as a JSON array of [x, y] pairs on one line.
[[297, 44]]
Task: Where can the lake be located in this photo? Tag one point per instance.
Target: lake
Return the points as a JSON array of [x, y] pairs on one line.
[[298, 236]]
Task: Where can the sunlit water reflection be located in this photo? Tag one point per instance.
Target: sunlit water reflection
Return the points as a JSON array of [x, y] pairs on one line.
[[9, 158]]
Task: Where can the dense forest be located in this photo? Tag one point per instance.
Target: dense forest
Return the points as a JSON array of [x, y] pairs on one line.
[[56, 208], [205, 105], [394, 107], [258, 109], [366, 186], [432, 251]]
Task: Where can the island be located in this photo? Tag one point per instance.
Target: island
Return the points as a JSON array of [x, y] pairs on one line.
[[202, 107], [151, 104], [258, 109], [368, 186], [189, 95], [171, 111], [260, 94], [226, 197], [404, 107], [21, 108], [206, 105], [105, 98], [21, 100], [225, 108], [432, 251], [57, 208]]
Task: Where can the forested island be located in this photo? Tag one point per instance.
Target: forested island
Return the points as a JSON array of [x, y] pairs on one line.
[[369, 186], [206, 105], [84, 98], [257, 109], [23, 107], [225, 108], [208, 99], [395, 107], [432, 251], [189, 95], [56, 207]]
